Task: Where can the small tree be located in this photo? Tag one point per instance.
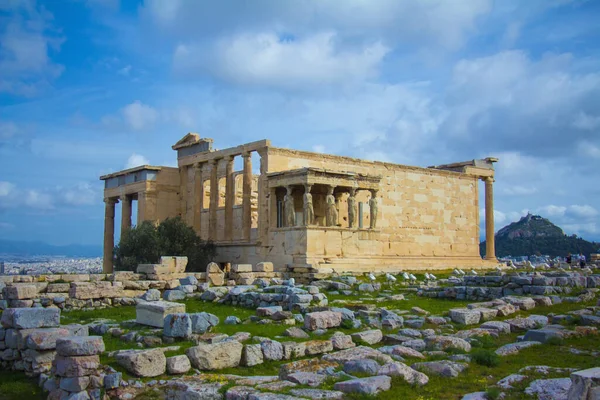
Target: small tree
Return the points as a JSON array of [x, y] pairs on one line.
[[146, 243]]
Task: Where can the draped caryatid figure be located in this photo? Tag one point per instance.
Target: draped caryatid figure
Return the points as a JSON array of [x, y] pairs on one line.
[[352, 209], [309, 212], [374, 209], [289, 209], [331, 216]]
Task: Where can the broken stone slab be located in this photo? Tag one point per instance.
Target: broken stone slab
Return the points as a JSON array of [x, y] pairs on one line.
[[178, 365], [154, 313], [240, 268], [549, 389], [272, 350], [296, 332], [264, 266], [173, 295], [543, 335], [507, 382], [402, 351], [363, 366], [531, 322], [318, 394], [447, 342], [341, 341], [307, 378], [357, 353], [464, 316], [314, 347], [499, 326], [309, 365], [371, 337], [268, 311], [524, 303], [369, 386], [80, 346], [514, 348], [322, 320], [292, 350], [75, 384], [585, 384], [203, 321], [143, 363], [410, 375], [475, 396], [444, 368], [193, 390], [216, 356]]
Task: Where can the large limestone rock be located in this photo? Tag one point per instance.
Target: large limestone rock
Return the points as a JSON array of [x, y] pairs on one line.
[[20, 292], [154, 313], [444, 368], [177, 326], [178, 364], [322, 320], [371, 337], [76, 366], [410, 375], [447, 342], [43, 339], [464, 316], [549, 389], [144, 363], [585, 385], [216, 356], [514, 348]]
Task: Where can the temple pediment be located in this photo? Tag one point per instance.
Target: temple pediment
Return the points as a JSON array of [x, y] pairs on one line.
[[190, 140]]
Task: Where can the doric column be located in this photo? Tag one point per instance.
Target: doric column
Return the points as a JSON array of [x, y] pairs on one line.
[[125, 213], [229, 197], [247, 196], [183, 186], [198, 198], [109, 235], [490, 248], [214, 200]]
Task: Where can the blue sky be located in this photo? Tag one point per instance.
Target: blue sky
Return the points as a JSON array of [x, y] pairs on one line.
[[88, 87]]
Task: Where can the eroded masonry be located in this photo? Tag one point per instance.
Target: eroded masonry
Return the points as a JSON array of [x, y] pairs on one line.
[[312, 211]]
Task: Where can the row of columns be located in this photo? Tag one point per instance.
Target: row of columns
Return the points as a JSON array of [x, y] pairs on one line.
[[331, 213], [198, 196]]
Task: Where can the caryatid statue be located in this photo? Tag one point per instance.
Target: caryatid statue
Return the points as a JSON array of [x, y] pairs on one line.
[[309, 211], [290, 211], [374, 208], [331, 216], [352, 209]]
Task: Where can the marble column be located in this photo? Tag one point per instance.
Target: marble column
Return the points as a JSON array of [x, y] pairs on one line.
[[109, 235], [214, 200], [490, 247], [183, 182], [125, 213], [229, 197], [374, 210], [247, 196], [198, 198]]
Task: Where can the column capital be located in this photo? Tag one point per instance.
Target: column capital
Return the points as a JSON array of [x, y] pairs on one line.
[[111, 200], [374, 192], [124, 197], [246, 154], [488, 179], [229, 158], [198, 165], [214, 161]]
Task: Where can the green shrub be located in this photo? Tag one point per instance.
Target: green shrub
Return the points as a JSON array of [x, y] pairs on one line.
[[146, 243], [493, 393], [487, 358]]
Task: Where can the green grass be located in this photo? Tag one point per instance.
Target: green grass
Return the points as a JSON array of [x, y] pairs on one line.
[[14, 385]]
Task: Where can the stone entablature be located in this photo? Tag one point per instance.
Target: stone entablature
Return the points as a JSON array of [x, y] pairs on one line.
[[420, 217]]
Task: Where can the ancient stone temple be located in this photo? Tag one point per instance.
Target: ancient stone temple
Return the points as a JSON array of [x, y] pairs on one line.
[[314, 210]]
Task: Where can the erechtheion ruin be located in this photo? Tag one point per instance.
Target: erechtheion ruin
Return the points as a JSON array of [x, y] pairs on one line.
[[314, 210]]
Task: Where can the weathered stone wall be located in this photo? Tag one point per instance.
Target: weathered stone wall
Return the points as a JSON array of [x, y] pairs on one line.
[[496, 286], [427, 217]]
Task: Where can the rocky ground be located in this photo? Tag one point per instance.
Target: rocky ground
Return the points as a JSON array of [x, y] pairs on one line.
[[363, 339]]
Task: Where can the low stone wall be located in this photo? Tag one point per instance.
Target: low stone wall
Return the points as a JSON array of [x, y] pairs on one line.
[[490, 287]]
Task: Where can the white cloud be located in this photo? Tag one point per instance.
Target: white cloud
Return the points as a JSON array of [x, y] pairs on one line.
[[136, 160], [139, 116], [26, 40], [519, 190], [582, 211], [267, 59], [80, 195], [6, 188], [38, 200], [318, 148], [125, 70]]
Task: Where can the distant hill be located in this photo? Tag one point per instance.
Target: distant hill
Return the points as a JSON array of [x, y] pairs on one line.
[[533, 234], [44, 249]]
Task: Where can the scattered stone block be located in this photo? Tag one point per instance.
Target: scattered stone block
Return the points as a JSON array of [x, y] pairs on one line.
[[272, 350], [371, 337], [202, 322], [314, 347], [444, 368], [178, 365], [240, 268], [318, 394], [173, 295], [75, 366], [264, 267], [585, 384], [341, 341], [514, 348], [154, 313], [365, 366], [44, 338], [447, 342], [410, 375], [549, 389], [307, 378], [20, 292], [177, 325], [216, 356], [252, 355], [143, 363], [464, 316], [293, 350], [322, 320], [368, 386]]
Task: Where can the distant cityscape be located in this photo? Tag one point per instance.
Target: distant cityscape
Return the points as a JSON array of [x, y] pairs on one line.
[[42, 265]]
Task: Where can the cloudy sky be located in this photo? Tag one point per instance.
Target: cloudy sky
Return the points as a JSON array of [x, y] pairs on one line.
[[88, 87]]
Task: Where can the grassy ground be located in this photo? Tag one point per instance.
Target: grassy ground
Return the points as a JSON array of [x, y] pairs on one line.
[[14, 385]]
